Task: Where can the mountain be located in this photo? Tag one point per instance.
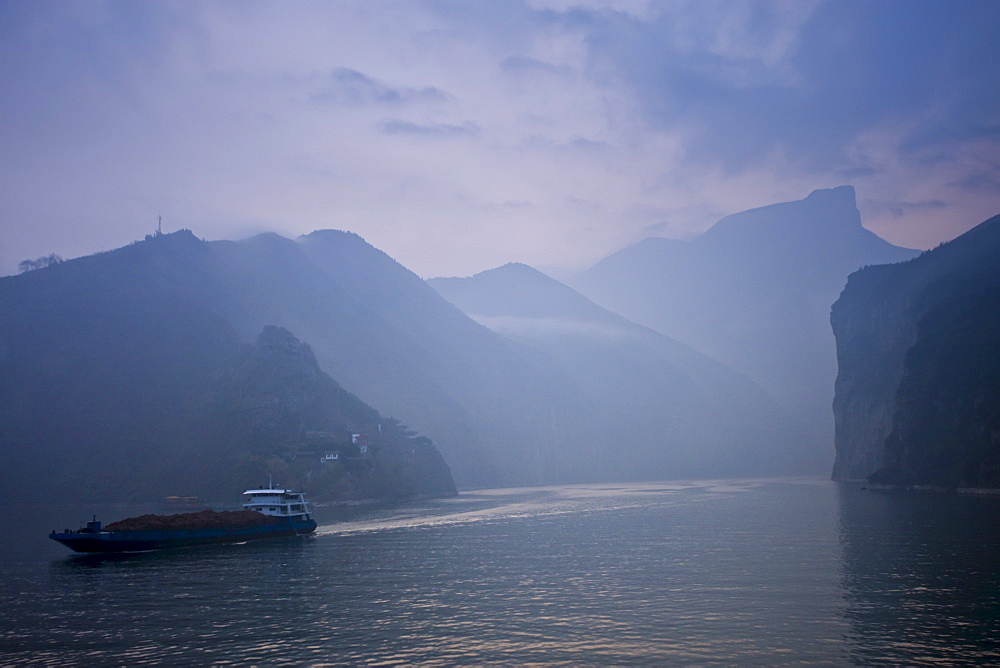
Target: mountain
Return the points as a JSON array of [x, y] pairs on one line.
[[123, 378], [918, 347], [495, 411], [376, 328], [148, 327], [753, 292], [660, 408]]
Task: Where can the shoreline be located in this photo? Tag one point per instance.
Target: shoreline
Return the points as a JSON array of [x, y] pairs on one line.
[[975, 491]]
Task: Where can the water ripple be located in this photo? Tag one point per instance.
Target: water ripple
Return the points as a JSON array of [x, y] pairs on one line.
[[691, 573]]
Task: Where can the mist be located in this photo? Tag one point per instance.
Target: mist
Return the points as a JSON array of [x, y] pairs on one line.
[[459, 138], [700, 178], [512, 332]]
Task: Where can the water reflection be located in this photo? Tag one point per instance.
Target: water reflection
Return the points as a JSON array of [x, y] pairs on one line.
[[921, 576]]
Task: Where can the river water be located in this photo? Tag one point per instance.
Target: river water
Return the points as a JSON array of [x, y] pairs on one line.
[[679, 573]]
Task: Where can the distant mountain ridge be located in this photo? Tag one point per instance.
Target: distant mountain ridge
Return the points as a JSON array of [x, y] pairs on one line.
[[754, 292], [667, 409], [374, 326], [918, 344], [542, 386]]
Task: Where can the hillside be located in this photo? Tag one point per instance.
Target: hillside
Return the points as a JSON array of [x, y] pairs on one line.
[[664, 408], [147, 329], [918, 390], [753, 292], [118, 377], [276, 408]]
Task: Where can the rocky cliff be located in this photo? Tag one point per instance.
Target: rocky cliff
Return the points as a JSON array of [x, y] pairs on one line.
[[918, 348]]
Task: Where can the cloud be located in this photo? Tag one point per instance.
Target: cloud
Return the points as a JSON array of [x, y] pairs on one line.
[[806, 77], [520, 64], [902, 208], [987, 180], [432, 130], [347, 86], [409, 122]]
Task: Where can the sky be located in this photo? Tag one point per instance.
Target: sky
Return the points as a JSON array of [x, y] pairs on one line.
[[458, 135]]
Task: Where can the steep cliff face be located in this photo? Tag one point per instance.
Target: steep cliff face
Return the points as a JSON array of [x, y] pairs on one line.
[[918, 348], [946, 428], [873, 329]]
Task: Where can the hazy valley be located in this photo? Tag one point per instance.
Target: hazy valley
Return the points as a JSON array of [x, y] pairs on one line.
[[118, 362]]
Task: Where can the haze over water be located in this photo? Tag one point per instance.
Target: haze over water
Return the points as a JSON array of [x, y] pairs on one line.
[[721, 572]]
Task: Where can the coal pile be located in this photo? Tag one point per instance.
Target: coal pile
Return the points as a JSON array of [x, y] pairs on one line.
[[204, 519]]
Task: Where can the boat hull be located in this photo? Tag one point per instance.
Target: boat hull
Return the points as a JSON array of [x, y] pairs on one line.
[[144, 541]]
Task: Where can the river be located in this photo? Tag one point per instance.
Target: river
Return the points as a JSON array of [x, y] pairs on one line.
[[681, 573]]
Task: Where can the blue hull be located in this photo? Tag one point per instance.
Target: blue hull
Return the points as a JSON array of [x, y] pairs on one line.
[[143, 541]]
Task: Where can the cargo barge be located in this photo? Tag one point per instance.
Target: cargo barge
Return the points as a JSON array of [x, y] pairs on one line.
[[267, 513]]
